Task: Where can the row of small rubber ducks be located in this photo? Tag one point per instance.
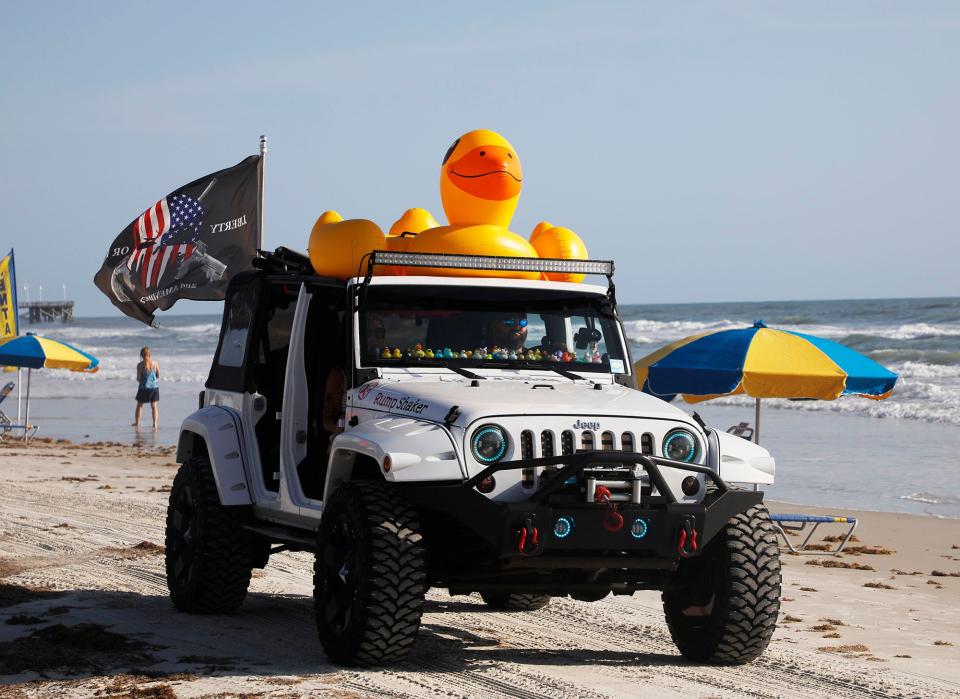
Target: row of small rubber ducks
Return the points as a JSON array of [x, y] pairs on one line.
[[532, 355]]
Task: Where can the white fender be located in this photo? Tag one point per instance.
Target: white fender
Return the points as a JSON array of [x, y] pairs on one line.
[[742, 461], [220, 429], [435, 458]]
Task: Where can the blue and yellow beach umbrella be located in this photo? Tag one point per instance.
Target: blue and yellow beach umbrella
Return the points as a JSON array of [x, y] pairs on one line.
[[34, 352], [763, 363]]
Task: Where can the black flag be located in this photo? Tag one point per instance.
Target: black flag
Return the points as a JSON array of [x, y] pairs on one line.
[[188, 245]]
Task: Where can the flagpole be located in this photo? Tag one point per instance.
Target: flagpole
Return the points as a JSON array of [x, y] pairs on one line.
[[263, 160]]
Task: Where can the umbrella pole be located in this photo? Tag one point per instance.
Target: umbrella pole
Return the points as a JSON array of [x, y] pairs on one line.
[[19, 391], [756, 424], [27, 419]]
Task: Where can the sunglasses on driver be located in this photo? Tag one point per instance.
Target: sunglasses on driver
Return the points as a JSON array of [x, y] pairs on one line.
[[510, 322]]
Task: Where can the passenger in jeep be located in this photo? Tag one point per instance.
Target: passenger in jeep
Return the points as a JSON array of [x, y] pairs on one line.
[[376, 335]]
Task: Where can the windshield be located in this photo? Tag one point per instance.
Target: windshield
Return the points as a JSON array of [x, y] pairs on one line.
[[408, 326]]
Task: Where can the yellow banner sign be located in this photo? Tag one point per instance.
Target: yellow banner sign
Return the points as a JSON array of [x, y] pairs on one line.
[[8, 299]]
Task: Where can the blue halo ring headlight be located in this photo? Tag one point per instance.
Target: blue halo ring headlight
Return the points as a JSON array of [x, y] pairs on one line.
[[488, 444], [639, 528], [563, 527], [681, 445]]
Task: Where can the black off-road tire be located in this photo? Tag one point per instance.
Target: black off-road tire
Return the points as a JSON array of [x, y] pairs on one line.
[[737, 581], [369, 578], [209, 557], [514, 602]]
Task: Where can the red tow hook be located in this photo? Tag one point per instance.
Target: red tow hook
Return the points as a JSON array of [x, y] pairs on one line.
[[687, 544], [528, 534], [612, 520]]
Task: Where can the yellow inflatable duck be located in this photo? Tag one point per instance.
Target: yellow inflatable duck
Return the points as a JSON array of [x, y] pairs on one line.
[[337, 247], [404, 230], [480, 182]]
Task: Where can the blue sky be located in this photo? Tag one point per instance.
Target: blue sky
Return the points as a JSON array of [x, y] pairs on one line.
[[717, 151]]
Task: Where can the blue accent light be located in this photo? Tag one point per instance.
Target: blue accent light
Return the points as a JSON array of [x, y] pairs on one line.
[[639, 528], [691, 445], [563, 527], [489, 444]]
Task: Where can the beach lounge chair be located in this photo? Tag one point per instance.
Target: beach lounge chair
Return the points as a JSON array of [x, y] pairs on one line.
[[6, 424], [742, 430], [4, 392], [799, 523]]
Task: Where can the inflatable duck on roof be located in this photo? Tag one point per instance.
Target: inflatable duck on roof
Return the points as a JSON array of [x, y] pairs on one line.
[[480, 182]]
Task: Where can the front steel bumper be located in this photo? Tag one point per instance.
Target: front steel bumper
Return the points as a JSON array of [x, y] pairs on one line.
[[654, 534]]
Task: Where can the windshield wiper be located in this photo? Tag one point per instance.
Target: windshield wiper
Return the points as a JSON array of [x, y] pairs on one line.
[[463, 372], [567, 374]]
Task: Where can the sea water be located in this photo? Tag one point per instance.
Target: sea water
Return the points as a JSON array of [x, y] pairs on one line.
[[900, 454]]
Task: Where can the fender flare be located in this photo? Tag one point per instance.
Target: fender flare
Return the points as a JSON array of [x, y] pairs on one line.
[[742, 461], [436, 458], [218, 431]]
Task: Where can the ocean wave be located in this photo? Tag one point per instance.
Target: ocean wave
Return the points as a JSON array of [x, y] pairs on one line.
[[932, 498], [659, 332], [646, 331], [204, 328], [890, 355], [923, 370], [910, 331], [911, 399]]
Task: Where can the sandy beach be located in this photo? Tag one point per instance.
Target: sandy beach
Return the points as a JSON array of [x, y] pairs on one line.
[[85, 612]]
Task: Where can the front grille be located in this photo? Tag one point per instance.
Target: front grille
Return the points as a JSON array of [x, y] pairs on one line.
[[566, 442], [546, 444], [626, 441], [586, 441], [526, 444], [527, 477], [606, 441], [646, 443]]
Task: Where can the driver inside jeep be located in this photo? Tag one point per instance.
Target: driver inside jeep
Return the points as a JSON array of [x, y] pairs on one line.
[[509, 331]]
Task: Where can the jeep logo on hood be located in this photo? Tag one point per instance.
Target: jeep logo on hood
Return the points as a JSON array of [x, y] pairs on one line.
[[583, 425]]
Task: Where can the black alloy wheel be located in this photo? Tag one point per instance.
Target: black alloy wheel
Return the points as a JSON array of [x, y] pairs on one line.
[[721, 606], [369, 575], [209, 556], [340, 578]]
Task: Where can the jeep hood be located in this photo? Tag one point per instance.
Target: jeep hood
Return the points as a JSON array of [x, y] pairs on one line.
[[432, 400]]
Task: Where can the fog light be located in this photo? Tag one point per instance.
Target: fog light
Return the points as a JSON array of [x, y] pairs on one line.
[[690, 485], [487, 485], [563, 527], [639, 528]]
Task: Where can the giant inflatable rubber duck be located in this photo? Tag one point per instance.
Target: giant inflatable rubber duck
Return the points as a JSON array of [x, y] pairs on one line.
[[480, 182]]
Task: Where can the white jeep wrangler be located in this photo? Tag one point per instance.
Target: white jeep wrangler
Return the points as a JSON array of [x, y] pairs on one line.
[[492, 441]]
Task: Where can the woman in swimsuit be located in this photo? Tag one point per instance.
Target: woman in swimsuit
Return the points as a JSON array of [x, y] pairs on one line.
[[148, 373]]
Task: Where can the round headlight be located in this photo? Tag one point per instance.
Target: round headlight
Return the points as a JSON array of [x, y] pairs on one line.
[[489, 444], [681, 445]]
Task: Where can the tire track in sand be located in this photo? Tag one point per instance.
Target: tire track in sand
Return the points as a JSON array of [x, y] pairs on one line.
[[463, 649]]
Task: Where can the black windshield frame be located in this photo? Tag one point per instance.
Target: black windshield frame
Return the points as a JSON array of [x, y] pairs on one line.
[[383, 299]]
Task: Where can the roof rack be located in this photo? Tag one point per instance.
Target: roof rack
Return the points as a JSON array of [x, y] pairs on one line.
[[283, 261]]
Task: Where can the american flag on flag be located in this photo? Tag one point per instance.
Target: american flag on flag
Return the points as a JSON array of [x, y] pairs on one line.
[[165, 234]]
